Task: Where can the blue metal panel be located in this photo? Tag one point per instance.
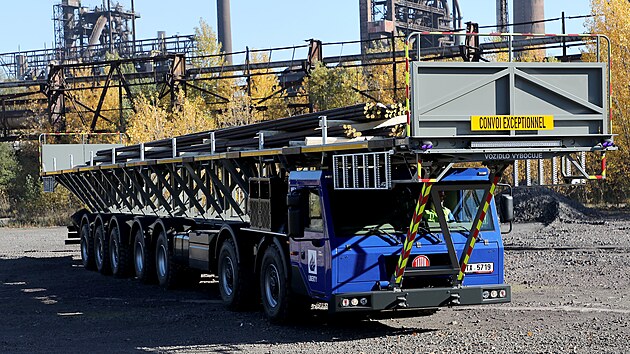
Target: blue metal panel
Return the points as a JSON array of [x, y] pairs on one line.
[[305, 178], [479, 174], [358, 263]]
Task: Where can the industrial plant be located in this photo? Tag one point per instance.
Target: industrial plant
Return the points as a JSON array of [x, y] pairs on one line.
[[90, 36]]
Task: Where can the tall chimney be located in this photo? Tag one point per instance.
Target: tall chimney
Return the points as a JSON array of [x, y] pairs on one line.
[[502, 16], [529, 11], [225, 28]]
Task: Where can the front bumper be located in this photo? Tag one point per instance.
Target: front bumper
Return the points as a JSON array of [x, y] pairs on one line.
[[385, 300]]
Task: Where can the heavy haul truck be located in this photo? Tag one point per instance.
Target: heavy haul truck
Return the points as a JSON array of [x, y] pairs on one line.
[[292, 212]]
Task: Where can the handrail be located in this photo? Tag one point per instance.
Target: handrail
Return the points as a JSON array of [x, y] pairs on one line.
[[511, 36]]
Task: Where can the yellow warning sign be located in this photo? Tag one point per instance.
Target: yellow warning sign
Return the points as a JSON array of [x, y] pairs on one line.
[[492, 123]]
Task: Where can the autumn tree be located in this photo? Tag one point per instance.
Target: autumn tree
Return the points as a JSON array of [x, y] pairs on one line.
[[266, 93], [385, 80], [218, 87], [83, 100], [610, 18], [334, 87], [152, 121]]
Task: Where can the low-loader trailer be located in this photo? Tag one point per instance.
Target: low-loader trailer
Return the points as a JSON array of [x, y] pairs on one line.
[[291, 212]]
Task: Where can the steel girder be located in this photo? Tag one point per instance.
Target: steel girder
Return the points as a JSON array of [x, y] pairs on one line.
[[216, 189]]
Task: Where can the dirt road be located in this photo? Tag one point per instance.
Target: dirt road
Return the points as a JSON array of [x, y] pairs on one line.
[[571, 293]]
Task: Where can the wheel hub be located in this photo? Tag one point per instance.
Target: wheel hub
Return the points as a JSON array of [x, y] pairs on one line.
[[139, 256], [99, 250], [227, 276], [162, 261], [272, 285]]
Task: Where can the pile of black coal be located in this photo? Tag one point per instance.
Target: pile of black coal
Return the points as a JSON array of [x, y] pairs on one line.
[[540, 204]]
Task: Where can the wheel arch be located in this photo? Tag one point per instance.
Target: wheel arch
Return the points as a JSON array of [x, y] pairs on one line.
[[142, 224], [262, 247], [157, 227], [79, 218], [226, 232], [99, 220], [123, 222], [85, 220]]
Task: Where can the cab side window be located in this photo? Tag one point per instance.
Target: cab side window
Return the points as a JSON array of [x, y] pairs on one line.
[[315, 221]]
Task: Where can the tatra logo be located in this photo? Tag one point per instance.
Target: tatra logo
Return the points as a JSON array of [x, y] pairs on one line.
[[312, 262]]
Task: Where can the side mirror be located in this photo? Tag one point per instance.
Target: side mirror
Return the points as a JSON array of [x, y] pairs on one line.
[[295, 225], [507, 208]]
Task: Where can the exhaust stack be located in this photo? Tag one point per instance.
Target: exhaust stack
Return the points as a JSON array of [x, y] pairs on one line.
[[528, 11], [224, 28]]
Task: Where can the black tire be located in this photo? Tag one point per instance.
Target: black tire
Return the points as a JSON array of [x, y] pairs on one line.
[[274, 286], [235, 283], [87, 248], [144, 263], [169, 274], [119, 254], [101, 250]]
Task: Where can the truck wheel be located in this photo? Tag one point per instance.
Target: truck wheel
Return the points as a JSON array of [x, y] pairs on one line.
[[274, 286], [168, 273], [87, 248], [118, 254], [101, 250], [142, 259], [235, 284]]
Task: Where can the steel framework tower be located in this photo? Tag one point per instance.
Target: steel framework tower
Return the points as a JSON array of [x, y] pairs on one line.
[[77, 28], [380, 18]]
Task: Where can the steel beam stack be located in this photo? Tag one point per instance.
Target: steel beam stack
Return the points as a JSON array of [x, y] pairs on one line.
[[361, 120]]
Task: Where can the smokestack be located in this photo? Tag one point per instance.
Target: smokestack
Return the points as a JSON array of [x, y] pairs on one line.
[[225, 27], [502, 16], [529, 11]]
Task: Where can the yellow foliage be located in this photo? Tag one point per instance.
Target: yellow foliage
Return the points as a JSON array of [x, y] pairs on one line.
[[239, 111], [266, 92], [611, 19], [79, 118], [382, 83], [334, 87], [526, 54], [153, 122], [208, 54]]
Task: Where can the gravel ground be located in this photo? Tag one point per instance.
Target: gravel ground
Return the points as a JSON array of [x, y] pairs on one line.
[[570, 294]]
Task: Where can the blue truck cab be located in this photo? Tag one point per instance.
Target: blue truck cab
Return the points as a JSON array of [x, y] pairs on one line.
[[352, 241]]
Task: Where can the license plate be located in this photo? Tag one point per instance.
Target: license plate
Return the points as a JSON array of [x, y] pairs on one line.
[[479, 268]]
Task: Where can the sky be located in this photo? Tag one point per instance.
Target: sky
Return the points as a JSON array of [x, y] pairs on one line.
[[27, 24]]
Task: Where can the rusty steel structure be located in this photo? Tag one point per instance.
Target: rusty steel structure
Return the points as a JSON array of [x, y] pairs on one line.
[[83, 32], [379, 19], [57, 91]]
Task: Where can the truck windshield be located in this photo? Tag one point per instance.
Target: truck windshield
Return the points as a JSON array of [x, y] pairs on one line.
[[460, 208], [390, 212]]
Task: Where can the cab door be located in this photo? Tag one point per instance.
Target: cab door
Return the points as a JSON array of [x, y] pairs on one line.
[[314, 247]]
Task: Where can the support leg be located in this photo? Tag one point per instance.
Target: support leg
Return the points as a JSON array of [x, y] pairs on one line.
[[411, 235]]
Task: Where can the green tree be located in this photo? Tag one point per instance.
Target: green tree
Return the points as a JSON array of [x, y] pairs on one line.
[[334, 87], [207, 54], [8, 166]]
